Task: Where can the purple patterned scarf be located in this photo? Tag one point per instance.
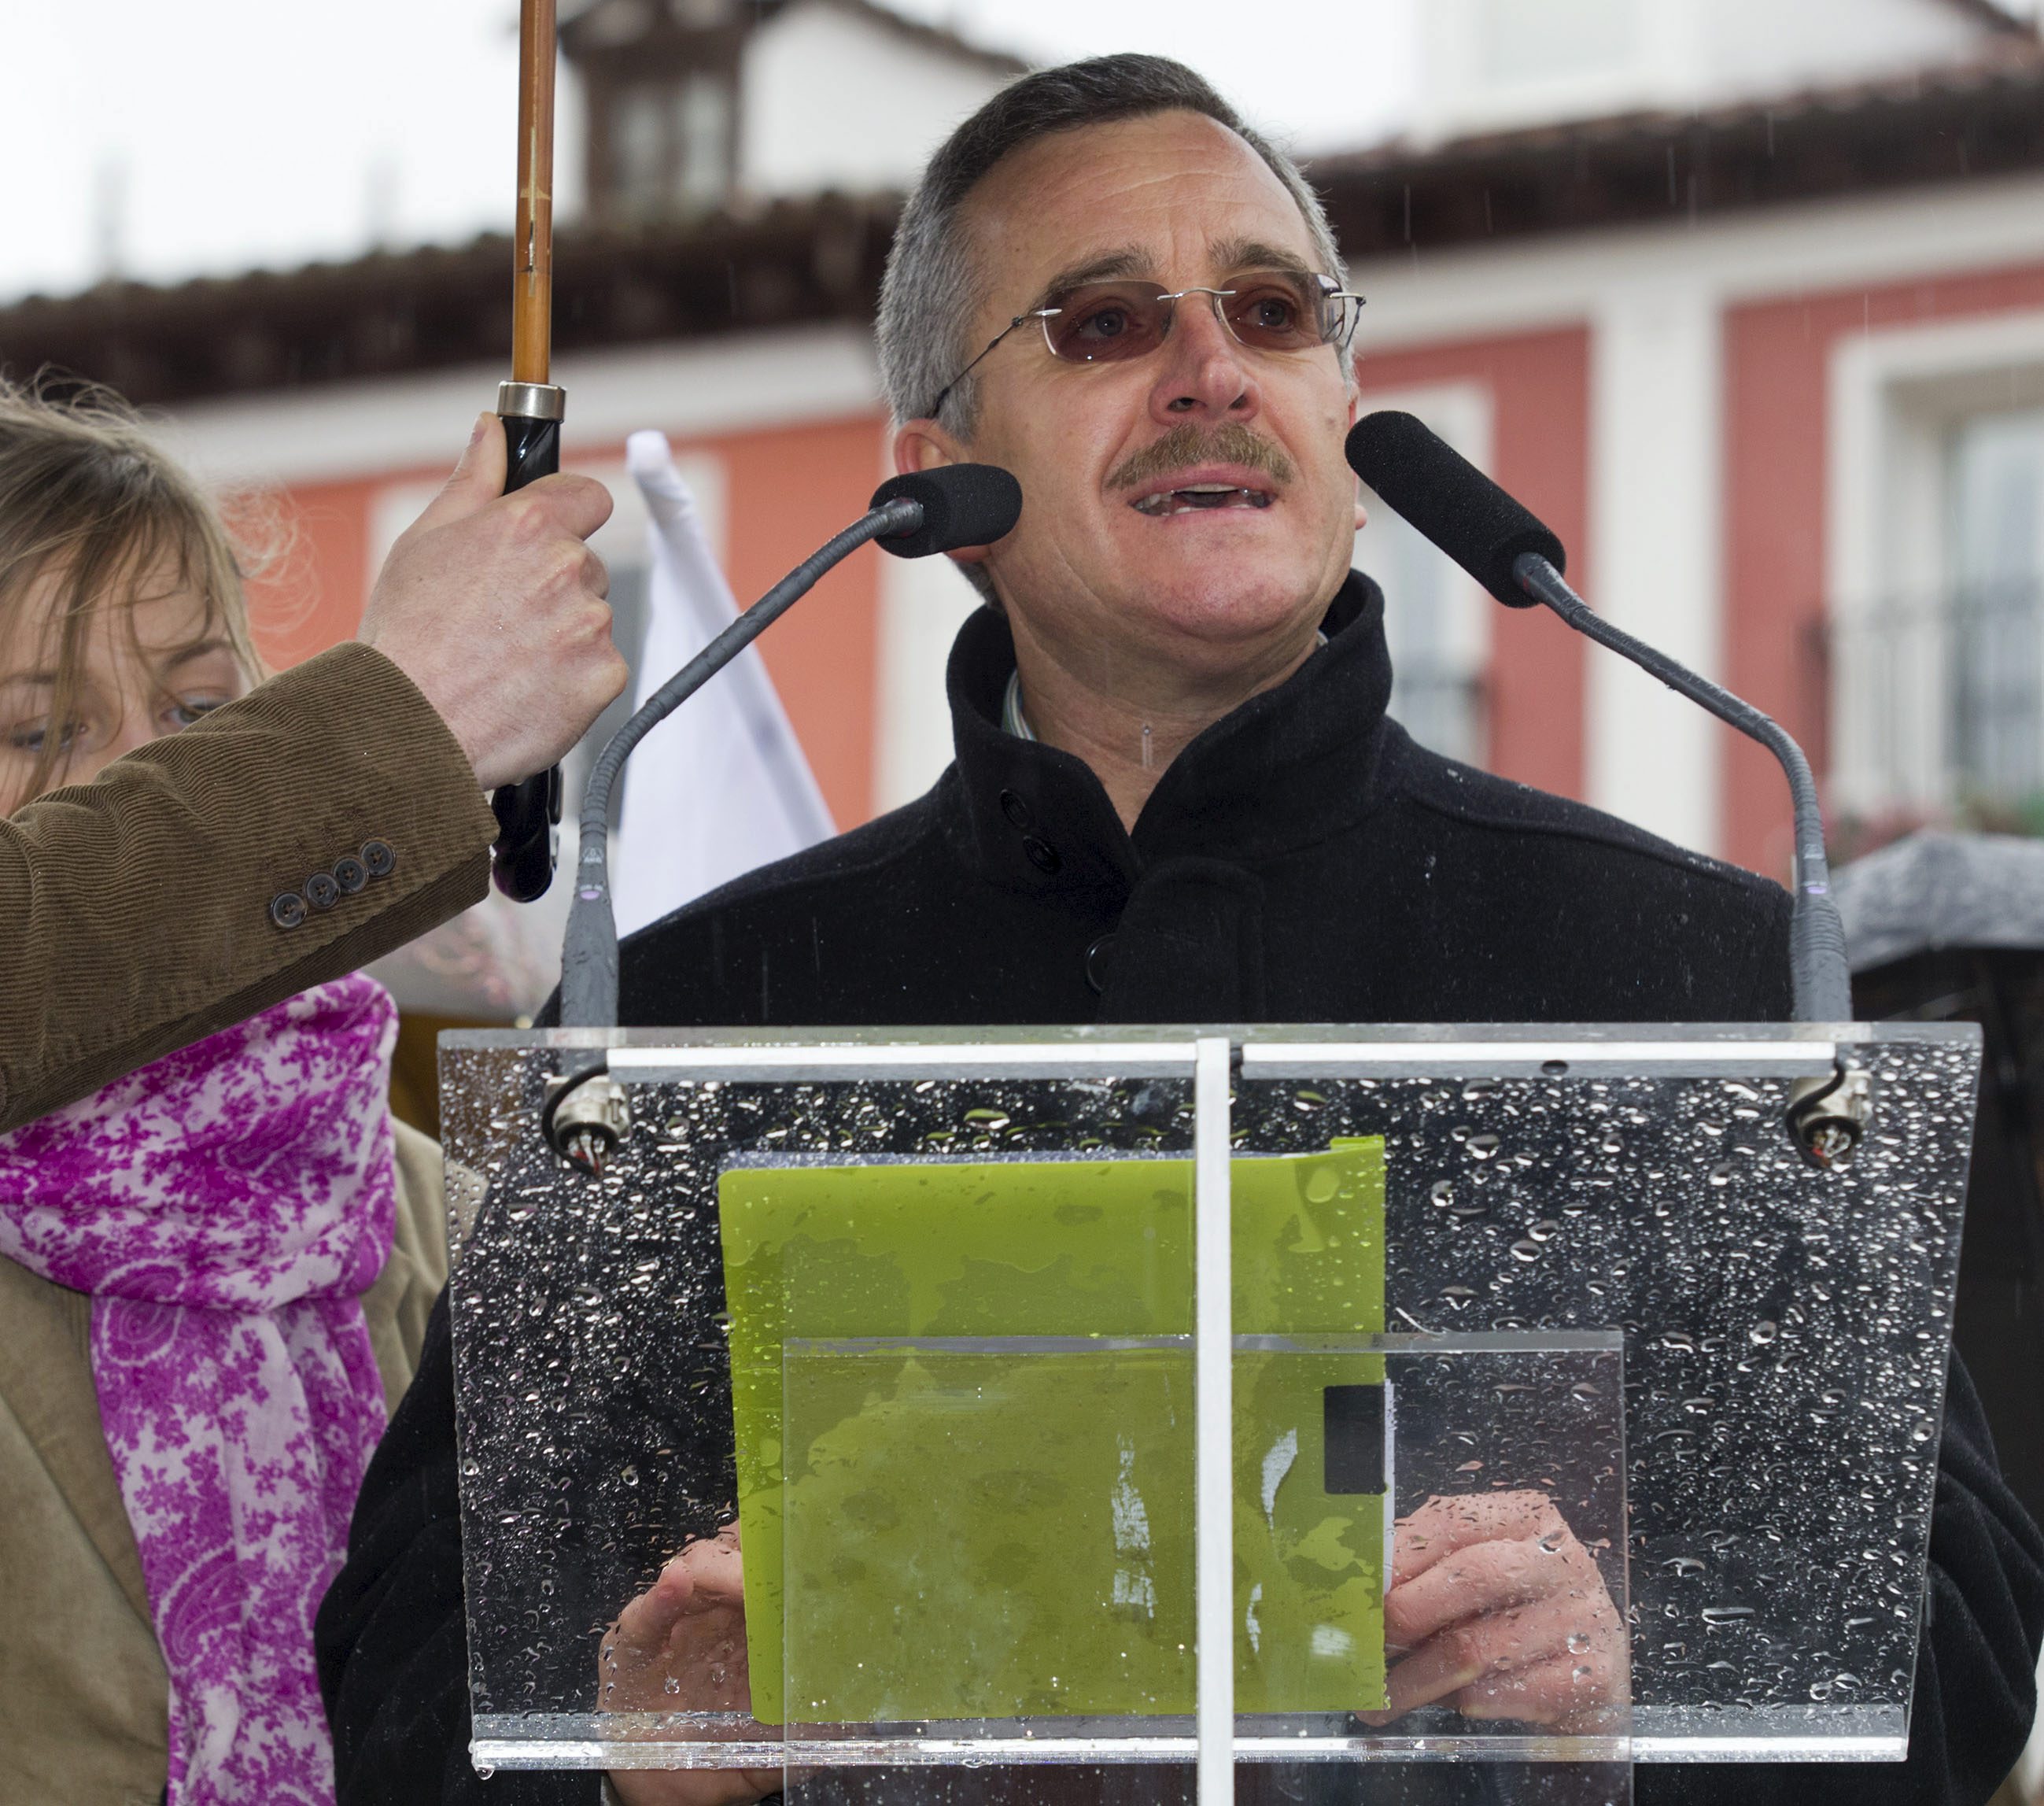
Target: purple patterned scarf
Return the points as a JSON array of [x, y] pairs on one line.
[[225, 1207]]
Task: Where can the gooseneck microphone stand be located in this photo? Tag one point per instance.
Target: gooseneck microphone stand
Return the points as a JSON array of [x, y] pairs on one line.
[[528, 812], [588, 954], [585, 1114], [1817, 967], [1519, 559]]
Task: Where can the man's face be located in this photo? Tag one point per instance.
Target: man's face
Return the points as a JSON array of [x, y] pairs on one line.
[[1110, 556]]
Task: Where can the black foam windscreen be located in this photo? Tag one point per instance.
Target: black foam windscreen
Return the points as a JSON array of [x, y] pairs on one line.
[[963, 505], [1450, 501]]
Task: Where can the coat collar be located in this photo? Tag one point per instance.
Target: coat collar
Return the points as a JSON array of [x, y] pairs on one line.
[[1288, 767]]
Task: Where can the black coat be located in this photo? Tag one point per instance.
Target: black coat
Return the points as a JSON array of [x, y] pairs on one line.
[[1301, 860]]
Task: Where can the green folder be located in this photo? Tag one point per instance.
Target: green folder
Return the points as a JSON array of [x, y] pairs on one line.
[[987, 1533]]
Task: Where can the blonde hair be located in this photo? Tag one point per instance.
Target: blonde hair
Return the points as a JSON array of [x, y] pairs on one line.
[[85, 491]]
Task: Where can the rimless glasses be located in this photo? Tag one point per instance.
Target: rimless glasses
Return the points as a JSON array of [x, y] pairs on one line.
[[1116, 322]]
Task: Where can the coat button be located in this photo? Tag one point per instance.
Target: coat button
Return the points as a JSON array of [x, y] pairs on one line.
[[321, 891], [380, 857], [1043, 856], [287, 909], [350, 874], [1016, 810], [1096, 957]]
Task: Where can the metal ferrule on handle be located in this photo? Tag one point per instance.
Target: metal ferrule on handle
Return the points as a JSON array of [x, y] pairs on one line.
[[1821, 976], [589, 954]]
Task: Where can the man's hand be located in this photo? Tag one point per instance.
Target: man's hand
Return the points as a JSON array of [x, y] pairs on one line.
[[680, 1646], [1498, 1609], [492, 604]]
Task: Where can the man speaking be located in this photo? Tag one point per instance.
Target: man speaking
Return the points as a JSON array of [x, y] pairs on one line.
[[1177, 798]]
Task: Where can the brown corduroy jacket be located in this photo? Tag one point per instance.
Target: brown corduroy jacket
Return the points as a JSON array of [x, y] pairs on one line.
[[155, 905], [84, 1700]]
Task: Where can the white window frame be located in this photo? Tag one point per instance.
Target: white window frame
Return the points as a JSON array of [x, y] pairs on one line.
[[1464, 413], [1893, 396]]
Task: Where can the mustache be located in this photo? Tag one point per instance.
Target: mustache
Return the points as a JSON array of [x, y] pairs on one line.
[[1187, 445]]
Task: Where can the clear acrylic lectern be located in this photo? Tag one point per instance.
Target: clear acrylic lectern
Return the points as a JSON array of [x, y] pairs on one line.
[[1035, 1365]]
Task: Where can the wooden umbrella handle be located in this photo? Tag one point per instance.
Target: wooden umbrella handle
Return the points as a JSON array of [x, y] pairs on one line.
[[522, 862], [532, 236]]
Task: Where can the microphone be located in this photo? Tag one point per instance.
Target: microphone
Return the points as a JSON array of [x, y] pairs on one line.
[[963, 505], [1448, 499], [944, 510], [1520, 560]]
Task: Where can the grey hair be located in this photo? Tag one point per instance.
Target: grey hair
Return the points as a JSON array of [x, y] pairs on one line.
[[930, 296]]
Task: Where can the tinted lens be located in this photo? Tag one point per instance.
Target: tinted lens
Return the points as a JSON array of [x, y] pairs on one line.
[[1107, 322], [1275, 313]]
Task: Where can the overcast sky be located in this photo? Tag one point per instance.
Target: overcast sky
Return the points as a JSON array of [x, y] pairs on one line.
[[211, 137]]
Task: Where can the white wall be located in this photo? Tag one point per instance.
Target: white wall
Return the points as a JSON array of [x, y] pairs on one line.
[[408, 422], [1476, 289], [1767, 46], [1489, 65], [830, 100], [1656, 380]]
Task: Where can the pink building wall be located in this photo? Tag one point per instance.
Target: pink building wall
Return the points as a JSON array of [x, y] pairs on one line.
[[789, 489], [1777, 364]]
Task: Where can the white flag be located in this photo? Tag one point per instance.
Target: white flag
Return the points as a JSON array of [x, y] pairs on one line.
[[721, 786]]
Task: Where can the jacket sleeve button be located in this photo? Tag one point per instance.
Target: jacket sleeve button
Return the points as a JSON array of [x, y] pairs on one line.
[[287, 909], [350, 874], [1096, 957], [379, 857], [1043, 856], [321, 891]]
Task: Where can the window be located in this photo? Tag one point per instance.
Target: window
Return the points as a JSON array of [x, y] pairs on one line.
[[1994, 466], [1436, 687], [640, 169], [1435, 619], [704, 129], [671, 146], [1932, 658], [1934, 654]]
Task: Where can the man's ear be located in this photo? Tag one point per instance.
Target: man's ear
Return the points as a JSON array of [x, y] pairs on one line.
[[923, 445], [1354, 413]]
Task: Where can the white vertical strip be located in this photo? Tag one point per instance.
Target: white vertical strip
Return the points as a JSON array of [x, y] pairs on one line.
[[1855, 542], [924, 601], [1213, 1451], [1390, 1480], [1655, 447]]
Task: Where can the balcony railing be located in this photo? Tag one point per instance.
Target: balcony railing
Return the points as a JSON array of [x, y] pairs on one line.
[[1440, 703], [1938, 703]]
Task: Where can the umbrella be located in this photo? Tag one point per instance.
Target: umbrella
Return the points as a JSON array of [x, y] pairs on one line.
[[1934, 890], [1944, 927]]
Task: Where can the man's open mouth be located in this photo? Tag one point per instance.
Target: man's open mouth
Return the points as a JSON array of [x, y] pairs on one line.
[[1201, 496]]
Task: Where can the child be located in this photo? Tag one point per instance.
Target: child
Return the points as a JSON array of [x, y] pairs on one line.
[[214, 1274]]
